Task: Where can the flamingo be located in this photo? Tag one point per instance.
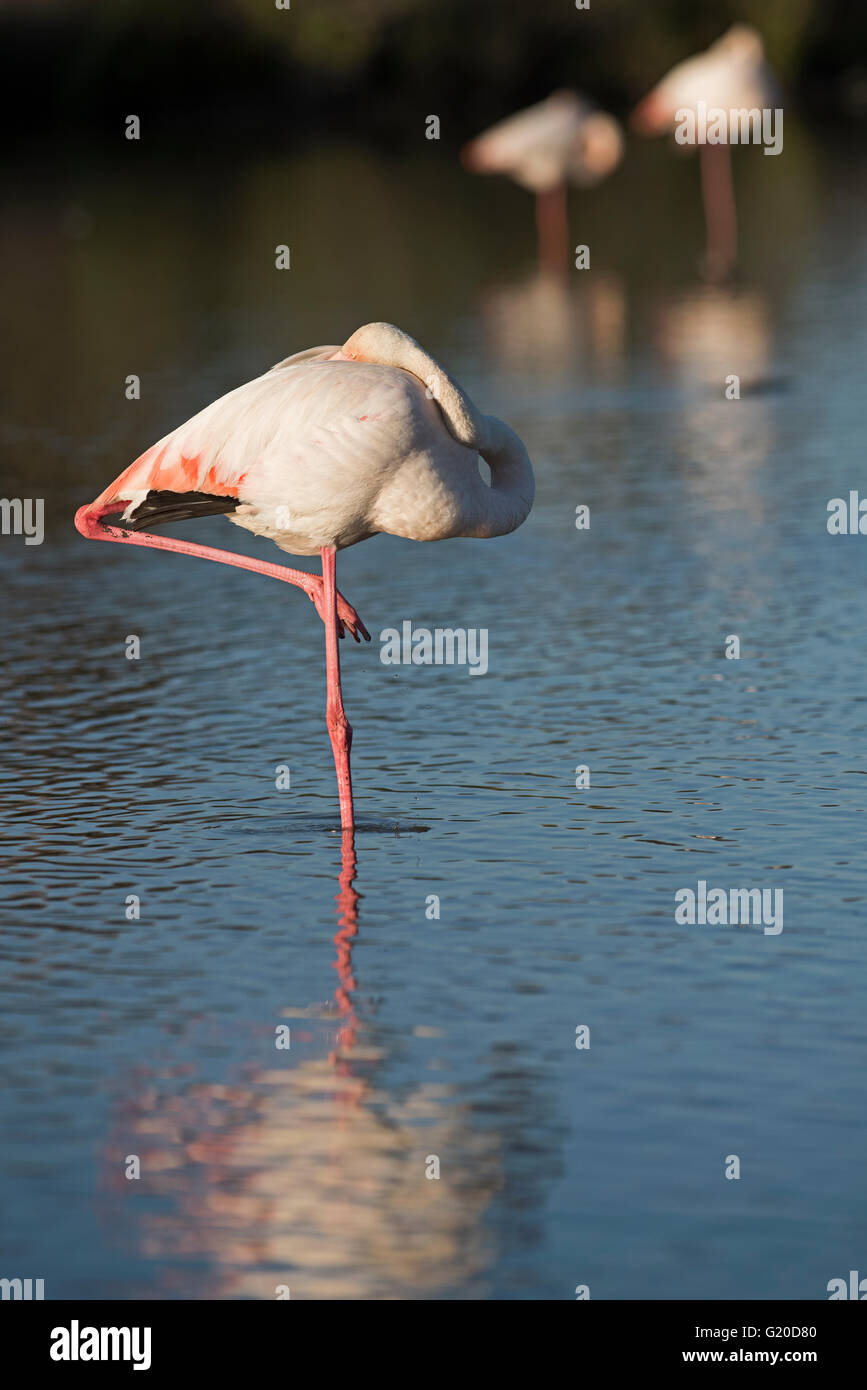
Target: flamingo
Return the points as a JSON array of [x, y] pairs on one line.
[[559, 141], [328, 448], [731, 75]]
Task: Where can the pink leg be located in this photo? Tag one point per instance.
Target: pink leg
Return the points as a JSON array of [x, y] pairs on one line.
[[87, 520], [338, 725], [552, 225], [720, 216]]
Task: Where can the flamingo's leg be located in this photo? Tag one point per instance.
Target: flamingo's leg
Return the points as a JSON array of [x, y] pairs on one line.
[[720, 215], [552, 225], [339, 728], [89, 523]]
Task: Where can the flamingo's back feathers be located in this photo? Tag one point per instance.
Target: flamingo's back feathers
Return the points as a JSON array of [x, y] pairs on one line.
[[332, 445], [489, 511], [731, 74], [563, 139], [317, 354]]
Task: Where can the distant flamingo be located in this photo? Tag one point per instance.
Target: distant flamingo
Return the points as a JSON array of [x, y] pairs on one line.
[[328, 448], [731, 75], [559, 141]]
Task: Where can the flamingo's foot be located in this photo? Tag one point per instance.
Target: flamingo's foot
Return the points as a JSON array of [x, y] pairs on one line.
[[346, 614]]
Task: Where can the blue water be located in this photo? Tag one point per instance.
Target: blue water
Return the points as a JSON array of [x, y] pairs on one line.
[[454, 1037]]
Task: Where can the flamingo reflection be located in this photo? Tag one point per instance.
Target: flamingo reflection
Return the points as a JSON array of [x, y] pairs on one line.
[[347, 921], [310, 1176]]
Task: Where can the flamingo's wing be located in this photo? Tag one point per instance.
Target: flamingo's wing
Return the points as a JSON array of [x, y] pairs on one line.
[[199, 467], [732, 73], [331, 430], [533, 145]]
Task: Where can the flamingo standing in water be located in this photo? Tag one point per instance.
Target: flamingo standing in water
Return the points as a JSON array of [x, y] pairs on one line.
[[329, 447], [559, 141], [731, 75]]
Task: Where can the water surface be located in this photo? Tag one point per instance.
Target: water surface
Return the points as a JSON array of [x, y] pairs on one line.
[[413, 1036]]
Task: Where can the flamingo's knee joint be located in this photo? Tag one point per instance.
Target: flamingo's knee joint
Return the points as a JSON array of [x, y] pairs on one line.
[[339, 727]]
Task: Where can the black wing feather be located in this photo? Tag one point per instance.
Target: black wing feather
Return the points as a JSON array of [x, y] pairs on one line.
[[161, 507]]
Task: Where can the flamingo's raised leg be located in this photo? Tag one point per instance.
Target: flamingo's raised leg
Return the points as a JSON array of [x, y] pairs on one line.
[[89, 522], [339, 728]]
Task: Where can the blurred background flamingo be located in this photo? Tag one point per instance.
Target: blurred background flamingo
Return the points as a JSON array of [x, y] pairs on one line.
[[546, 147], [732, 75]]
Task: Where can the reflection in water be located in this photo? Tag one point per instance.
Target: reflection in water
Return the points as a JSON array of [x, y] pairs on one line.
[[723, 445], [544, 325], [347, 918], [706, 338], [707, 334], [309, 1176]]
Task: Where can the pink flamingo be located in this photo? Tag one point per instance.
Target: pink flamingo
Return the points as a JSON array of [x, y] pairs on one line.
[[328, 448], [559, 141], [731, 75]]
